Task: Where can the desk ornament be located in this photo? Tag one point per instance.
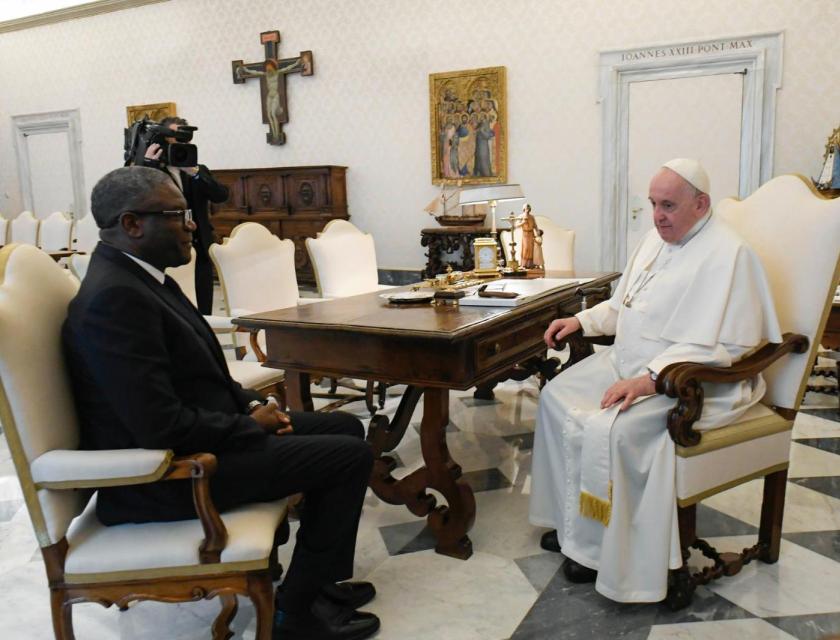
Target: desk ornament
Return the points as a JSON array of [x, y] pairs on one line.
[[486, 257], [513, 269], [446, 210], [408, 297], [829, 181]]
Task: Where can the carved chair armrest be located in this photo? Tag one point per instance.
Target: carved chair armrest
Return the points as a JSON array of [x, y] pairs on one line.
[[198, 468], [80, 469], [683, 380]]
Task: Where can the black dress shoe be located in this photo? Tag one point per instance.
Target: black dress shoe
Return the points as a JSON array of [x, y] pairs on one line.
[[577, 573], [326, 621], [350, 594], [549, 541]]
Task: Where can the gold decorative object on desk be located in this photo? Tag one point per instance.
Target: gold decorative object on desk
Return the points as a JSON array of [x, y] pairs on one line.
[[829, 181], [486, 257], [512, 269]]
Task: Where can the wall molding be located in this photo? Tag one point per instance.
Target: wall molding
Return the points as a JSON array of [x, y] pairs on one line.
[[69, 122], [71, 13], [759, 55]]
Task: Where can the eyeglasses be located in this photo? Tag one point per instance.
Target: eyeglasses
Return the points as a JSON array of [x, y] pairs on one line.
[[186, 215]]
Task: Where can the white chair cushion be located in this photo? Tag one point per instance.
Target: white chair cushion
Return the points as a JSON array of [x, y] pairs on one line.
[[78, 468], [252, 375], [758, 442], [98, 553]]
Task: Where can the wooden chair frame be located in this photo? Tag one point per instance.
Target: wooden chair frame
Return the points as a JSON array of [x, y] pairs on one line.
[[255, 584], [684, 382]]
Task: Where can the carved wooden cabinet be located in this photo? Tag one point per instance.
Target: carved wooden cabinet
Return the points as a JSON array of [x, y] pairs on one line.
[[292, 202]]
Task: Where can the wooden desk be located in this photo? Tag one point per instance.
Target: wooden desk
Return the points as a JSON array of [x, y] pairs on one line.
[[432, 349]]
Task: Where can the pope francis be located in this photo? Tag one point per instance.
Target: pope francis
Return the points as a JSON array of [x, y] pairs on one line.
[[603, 462]]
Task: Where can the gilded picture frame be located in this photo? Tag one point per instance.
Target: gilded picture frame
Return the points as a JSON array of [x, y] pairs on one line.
[[468, 126], [155, 112]]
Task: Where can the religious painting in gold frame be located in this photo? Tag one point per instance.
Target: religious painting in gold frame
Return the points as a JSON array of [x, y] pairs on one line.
[[468, 112], [156, 112]]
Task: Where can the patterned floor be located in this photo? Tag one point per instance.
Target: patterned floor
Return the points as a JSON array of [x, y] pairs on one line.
[[510, 588]]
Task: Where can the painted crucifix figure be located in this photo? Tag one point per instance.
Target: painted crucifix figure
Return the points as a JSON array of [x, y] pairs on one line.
[[272, 73]]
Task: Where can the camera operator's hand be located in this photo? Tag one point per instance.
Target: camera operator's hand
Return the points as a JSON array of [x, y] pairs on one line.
[[272, 420], [190, 171], [153, 152]]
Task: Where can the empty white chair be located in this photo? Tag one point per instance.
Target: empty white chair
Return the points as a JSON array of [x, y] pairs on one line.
[[24, 229], [4, 226], [251, 375], [344, 260], [85, 234], [56, 231], [256, 271], [558, 245]]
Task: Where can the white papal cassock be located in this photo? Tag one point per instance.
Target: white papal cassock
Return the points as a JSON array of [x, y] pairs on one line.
[[704, 299]]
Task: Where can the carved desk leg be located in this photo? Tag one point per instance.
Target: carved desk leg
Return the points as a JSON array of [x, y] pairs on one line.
[[451, 523], [298, 393]]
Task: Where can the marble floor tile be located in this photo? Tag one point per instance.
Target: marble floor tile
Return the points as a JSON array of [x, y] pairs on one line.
[[816, 424], [828, 485], [811, 627], [802, 582], [831, 445], [540, 568], [805, 509], [522, 441], [753, 629], [501, 525], [566, 611], [826, 543], [808, 460], [711, 522], [424, 595]]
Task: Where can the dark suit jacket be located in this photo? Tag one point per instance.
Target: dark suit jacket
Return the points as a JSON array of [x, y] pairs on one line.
[[148, 372]]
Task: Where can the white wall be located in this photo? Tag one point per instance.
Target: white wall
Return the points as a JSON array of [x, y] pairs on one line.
[[367, 104]]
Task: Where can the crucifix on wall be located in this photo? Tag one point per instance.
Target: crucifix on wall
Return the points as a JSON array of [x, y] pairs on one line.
[[272, 73]]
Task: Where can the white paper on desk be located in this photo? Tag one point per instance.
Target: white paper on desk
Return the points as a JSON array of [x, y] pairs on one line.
[[526, 289]]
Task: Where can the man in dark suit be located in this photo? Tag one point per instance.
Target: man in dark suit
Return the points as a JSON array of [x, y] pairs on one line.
[[148, 372], [198, 186]]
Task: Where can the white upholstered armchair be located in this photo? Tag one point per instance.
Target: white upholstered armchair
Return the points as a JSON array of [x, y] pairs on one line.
[[85, 234], [210, 556]]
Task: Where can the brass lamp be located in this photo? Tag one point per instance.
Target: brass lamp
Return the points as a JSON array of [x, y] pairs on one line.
[[492, 195]]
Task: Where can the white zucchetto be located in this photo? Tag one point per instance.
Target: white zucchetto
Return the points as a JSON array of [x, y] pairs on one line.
[[691, 171]]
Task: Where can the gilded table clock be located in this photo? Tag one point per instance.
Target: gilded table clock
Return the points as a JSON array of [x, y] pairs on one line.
[[486, 258]]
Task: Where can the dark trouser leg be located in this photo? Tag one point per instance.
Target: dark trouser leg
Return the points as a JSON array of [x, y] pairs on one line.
[[328, 461], [203, 282]]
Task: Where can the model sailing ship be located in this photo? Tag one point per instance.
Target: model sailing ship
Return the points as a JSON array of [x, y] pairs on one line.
[[444, 207]]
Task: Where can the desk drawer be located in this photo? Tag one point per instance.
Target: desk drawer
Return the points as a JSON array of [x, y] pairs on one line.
[[506, 343]]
